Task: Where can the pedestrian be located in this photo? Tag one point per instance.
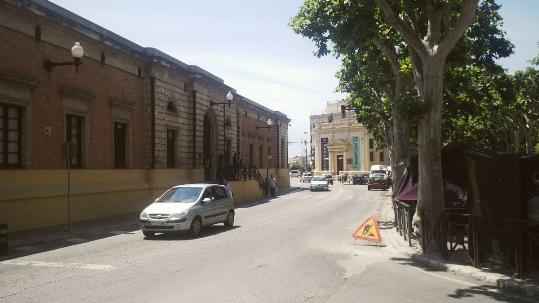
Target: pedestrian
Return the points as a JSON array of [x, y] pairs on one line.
[[272, 186], [229, 188]]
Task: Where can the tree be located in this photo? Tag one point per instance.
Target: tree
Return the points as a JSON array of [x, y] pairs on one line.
[[351, 27], [526, 108], [427, 31]]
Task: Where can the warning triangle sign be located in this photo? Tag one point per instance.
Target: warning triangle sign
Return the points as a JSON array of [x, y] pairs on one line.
[[369, 231]]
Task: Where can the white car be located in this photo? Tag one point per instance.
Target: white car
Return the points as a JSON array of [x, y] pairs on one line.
[[188, 208], [319, 183], [306, 177]]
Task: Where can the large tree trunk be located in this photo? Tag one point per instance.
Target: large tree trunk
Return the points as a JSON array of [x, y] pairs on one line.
[[430, 189]]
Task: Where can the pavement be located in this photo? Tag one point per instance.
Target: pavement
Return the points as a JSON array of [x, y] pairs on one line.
[[458, 267], [51, 239]]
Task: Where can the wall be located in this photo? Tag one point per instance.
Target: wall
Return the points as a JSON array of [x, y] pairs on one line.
[[31, 199]]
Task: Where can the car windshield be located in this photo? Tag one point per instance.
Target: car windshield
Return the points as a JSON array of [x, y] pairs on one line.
[[378, 172], [319, 178], [307, 174], [378, 176], [180, 195]]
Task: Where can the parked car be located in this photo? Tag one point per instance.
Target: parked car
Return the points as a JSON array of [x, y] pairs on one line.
[[294, 173], [188, 208], [306, 177], [378, 181], [319, 183], [329, 177], [360, 179]]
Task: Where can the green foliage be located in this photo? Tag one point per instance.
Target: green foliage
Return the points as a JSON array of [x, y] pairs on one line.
[[478, 96], [295, 165]]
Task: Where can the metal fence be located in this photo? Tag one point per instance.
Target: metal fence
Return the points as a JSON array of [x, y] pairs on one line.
[[512, 244]]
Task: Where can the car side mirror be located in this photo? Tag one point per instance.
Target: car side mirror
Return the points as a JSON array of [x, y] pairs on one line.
[[206, 200]]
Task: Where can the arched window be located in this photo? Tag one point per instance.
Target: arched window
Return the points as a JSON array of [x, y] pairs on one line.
[[171, 107]]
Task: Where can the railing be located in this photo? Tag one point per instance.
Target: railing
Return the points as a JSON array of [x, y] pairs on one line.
[[485, 241], [237, 173], [404, 212]]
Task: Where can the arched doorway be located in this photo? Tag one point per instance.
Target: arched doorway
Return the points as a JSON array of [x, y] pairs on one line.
[[208, 146]]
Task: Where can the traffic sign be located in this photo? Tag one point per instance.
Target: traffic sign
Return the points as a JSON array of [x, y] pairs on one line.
[[369, 231]]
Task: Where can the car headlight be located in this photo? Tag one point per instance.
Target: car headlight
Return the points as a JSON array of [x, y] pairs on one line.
[[178, 215], [143, 216]]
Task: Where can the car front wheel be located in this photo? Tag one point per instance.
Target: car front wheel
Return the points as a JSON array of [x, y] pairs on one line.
[[229, 219], [196, 227]]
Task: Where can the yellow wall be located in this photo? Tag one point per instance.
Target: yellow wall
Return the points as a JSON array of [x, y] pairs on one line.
[[31, 199]]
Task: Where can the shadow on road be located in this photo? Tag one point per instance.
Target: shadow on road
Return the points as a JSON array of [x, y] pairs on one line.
[[206, 232]]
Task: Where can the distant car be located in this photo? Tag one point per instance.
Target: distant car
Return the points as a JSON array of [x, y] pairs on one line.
[[378, 181], [188, 208], [329, 177], [319, 183], [306, 177], [294, 173], [360, 179]]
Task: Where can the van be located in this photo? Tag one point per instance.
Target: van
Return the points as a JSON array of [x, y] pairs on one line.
[[379, 169]]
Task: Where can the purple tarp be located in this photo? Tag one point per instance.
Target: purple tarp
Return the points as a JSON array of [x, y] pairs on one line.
[[407, 191]]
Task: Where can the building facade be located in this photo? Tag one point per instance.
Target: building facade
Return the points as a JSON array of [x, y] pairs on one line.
[[135, 119], [341, 144]]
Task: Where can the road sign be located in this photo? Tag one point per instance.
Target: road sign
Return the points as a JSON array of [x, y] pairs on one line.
[[369, 231]]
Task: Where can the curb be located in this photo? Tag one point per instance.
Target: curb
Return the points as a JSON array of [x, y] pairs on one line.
[[501, 281]]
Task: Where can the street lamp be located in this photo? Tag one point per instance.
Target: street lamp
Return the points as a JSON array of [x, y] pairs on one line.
[[229, 97], [269, 123], [76, 51]]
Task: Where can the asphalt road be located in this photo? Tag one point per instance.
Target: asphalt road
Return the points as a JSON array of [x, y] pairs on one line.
[[295, 248]]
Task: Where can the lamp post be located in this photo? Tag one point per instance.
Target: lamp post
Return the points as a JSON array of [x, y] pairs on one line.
[[229, 97], [76, 51], [269, 123]]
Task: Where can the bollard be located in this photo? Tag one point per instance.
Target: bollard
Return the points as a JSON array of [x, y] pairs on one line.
[[3, 239]]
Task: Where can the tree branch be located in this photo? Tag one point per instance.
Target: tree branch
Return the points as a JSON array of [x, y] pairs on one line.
[[391, 56], [466, 18], [407, 33]]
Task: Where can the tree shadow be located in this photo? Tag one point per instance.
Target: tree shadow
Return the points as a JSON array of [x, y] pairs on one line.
[[472, 291]]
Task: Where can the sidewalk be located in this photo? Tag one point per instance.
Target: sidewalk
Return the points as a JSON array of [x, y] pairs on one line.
[[392, 238]]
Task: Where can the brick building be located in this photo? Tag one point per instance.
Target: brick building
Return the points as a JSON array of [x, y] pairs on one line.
[[138, 119]]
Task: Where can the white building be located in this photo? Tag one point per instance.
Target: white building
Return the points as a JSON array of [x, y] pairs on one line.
[[342, 144]]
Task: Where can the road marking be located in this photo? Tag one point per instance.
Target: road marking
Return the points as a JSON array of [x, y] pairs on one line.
[[58, 265]]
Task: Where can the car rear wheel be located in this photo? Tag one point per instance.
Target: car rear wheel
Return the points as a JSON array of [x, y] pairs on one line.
[[368, 188], [196, 227], [148, 234], [229, 219]]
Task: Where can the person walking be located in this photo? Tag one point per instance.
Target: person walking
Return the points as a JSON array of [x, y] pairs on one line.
[[272, 185]]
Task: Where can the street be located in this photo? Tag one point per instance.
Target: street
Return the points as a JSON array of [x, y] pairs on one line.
[[295, 248]]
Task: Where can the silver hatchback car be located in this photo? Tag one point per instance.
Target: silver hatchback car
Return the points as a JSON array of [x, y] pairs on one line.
[[188, 208]]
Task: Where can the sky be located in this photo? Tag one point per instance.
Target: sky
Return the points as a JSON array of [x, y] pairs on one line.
[[251, 47]]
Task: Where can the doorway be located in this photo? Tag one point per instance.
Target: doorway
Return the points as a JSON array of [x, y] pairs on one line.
[[340, 163]]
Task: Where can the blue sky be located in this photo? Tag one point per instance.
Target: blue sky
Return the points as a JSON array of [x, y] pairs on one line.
[[250, 46]]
